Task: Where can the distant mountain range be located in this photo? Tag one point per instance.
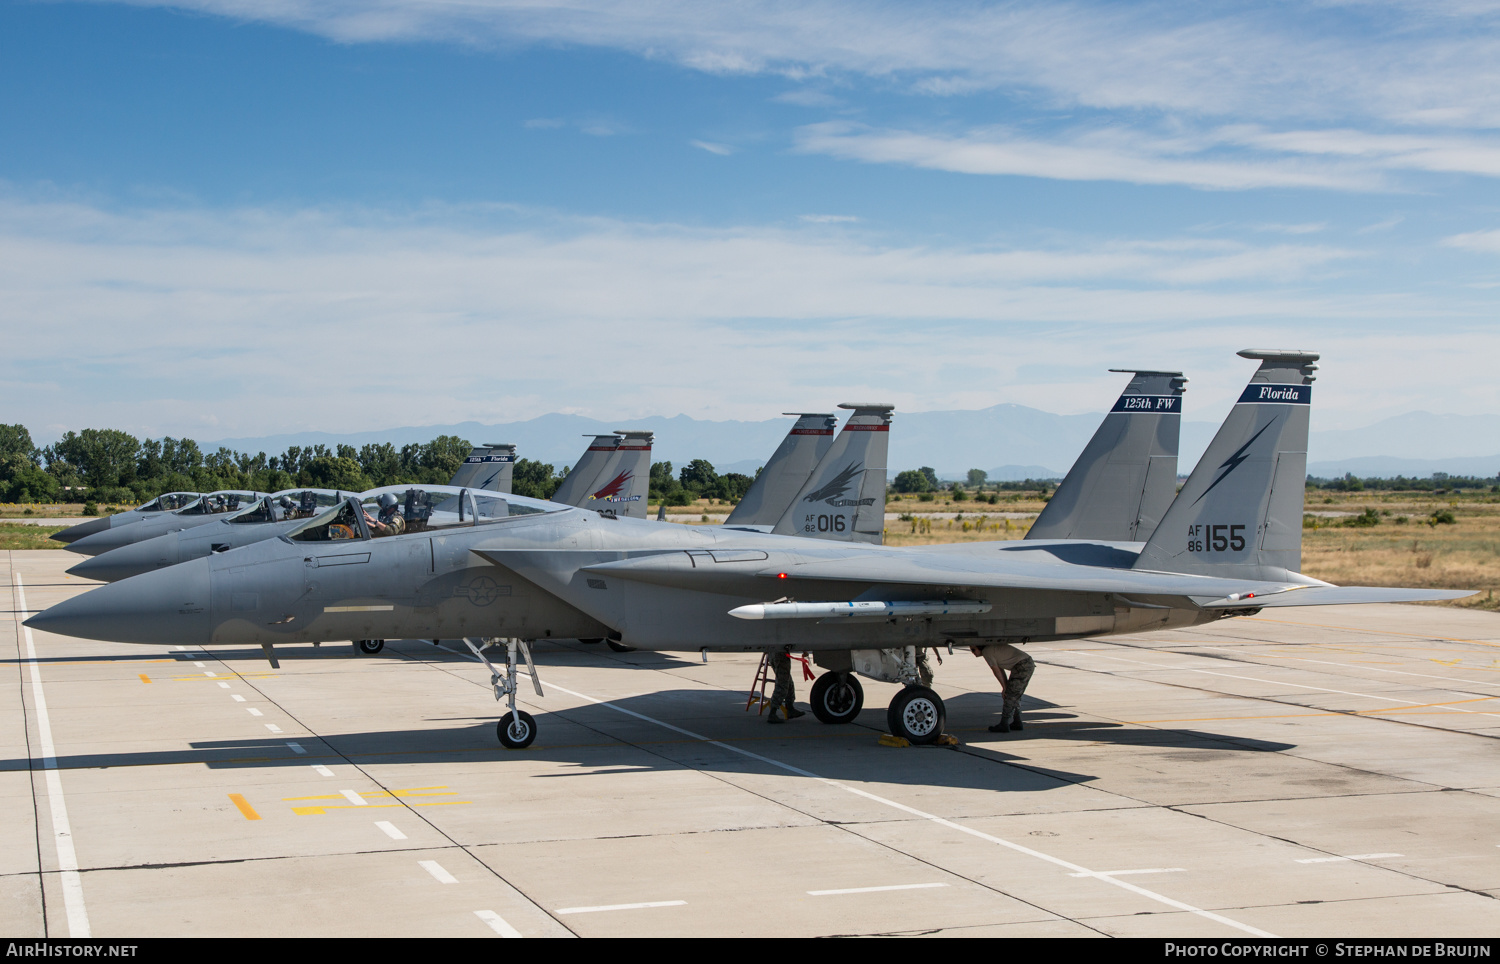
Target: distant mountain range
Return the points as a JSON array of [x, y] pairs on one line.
[[1007, 441]]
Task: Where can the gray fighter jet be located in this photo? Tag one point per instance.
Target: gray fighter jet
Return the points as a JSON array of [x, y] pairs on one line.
[[210, 507], [1127, 475], [489, 466], [789, 468], [166, 502], [1229, 545]]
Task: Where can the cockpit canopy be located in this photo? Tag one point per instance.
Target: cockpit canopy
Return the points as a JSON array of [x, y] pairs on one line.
[[403, 509], [169, 502], [225, 500]]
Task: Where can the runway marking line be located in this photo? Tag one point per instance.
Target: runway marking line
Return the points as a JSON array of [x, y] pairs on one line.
[[321, 770], [1334, 860], [922, 814], [1123, 873], [237, 698], [497, 923], [354, 798], [871, 890], [62, 832], [389, 829], [253, 711], [144, 677], [296, 748], [438, 873], [608, 907], [247, 811], [1378, 632], [273, 727]]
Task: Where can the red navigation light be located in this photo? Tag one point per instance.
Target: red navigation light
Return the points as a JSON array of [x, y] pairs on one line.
[[781, 575]]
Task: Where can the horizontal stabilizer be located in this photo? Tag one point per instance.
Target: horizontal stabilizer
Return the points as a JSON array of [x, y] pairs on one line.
[[1332, 596]]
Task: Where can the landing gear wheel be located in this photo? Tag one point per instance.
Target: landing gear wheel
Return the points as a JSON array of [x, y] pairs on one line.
[[516, 730], [837, 697], [593, 641], [620, 647], [918, 714], [370, 646]]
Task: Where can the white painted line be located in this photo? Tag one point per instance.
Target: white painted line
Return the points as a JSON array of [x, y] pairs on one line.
[[62, 832], [273, 727], [223, 685], [497, 923], [604, 907], [322, 770], [1332, 860], [940, 821], [871, 890], [208, 672], [355, 798], [199, 665], [436, 870], [390, 830], [1122, 873], [237, 698], [254, 712], [295, 748]]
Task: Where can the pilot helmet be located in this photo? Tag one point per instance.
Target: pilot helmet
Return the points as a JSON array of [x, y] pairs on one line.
[[388, 502]]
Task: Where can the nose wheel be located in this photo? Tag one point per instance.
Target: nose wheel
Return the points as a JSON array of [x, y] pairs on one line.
[[837, 697], [516, 730], [918, 714]]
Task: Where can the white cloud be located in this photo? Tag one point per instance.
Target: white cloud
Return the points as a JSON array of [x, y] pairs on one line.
[[356, 319], [1487, 241], [719, 149], [1406, 63]]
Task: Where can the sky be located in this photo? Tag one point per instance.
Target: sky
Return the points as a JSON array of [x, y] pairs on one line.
[[225, 218]]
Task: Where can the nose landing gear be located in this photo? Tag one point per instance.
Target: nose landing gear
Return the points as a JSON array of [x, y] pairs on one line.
[[516, 728], [837, 697]]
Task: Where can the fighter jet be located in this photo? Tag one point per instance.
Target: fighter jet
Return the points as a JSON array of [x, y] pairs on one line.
[[789, 468], [1228, 545], [202, 510], [1127, 475], [263, 519], [167, 502], [489, 467]]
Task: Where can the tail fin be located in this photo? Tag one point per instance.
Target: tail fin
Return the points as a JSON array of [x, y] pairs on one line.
[[790, 466], [1240, 513], [844, 499], [1124, 481], [577, 486], [621, 487], [489, 467]]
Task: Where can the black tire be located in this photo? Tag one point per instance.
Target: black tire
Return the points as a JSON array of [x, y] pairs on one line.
[[917, 714], [370, 646], [516, 730], [593, 641], [837, 697], [620, 647]]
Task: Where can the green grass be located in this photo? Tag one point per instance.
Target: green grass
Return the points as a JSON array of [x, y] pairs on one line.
[[14, 536]]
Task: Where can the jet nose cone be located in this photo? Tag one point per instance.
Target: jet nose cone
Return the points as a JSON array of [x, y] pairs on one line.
[[166, 606], [104, 540], [124, 562], [74, 533]]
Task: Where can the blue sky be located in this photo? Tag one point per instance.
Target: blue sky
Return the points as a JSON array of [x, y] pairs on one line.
[[223, 218]]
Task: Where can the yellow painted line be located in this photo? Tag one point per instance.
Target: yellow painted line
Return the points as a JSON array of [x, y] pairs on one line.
[[244, 805], [144, 677], [321, 811]]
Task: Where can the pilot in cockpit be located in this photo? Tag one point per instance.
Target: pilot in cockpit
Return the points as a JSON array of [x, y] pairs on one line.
[[389, 521]]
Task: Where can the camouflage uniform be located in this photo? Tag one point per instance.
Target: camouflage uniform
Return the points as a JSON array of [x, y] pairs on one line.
[[394, 526], [783, 698], [1013, 669]]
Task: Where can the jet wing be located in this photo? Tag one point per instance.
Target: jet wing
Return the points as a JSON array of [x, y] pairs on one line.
[[996, 571]]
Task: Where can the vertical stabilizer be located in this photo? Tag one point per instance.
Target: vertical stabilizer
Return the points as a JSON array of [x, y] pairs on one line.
[[845, 497], [1240, 513], [489, 467], [624, 481], [1121, 485], [580, 481], [790, 466]]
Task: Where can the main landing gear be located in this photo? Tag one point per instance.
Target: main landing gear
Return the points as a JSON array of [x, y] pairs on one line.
[[916, 714], [369, 647], [516, 728]]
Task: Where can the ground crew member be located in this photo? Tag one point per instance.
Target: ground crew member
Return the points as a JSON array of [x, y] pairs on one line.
[[783, 697], [1013, 669]]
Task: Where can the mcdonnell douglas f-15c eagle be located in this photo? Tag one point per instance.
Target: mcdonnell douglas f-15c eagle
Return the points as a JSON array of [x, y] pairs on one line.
[[1228, 545]]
